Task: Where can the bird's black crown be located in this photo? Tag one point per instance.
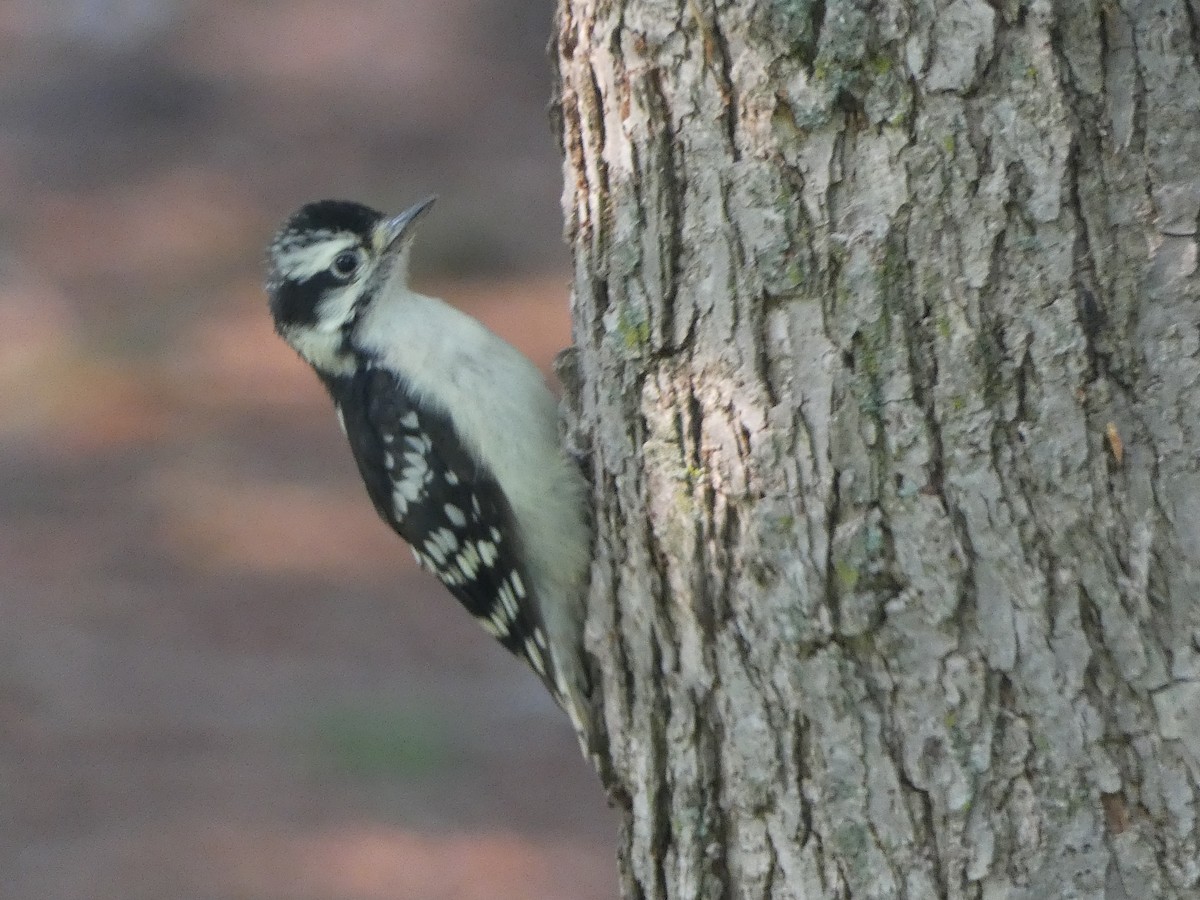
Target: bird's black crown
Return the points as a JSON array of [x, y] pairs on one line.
[[332, 216]]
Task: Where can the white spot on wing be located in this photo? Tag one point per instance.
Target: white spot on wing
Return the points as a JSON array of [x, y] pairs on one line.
[[411, 481], [446, 540], [435, 553], [455, 515], [487, 552], [534, 655], [416, 461], [471, 555], [508, 601]]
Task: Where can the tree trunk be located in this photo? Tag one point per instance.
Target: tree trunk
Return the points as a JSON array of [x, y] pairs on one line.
[[889, 362]]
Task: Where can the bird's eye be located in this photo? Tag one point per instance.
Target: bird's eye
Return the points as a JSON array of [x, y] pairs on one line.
[[345, 264]]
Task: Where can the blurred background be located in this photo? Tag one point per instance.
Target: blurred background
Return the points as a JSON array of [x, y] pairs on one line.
[[220, 675]]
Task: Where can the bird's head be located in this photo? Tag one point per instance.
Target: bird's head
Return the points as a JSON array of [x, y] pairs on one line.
[[325, 262]]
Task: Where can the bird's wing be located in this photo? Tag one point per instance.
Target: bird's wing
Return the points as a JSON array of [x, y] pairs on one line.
[[433, 492]]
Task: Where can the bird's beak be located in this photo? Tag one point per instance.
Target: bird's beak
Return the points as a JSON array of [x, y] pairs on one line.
[[392, 234]]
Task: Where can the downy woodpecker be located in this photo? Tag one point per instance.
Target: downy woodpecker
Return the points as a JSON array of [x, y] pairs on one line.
[[454, 432]]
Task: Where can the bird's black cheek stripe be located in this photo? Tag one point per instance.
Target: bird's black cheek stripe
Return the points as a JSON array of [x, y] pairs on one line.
[[295, 302]]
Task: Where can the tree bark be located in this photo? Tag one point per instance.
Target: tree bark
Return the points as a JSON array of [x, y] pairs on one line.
[[889, 359]]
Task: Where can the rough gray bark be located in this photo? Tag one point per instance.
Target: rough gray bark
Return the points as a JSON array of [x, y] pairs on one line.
[[889, 348]]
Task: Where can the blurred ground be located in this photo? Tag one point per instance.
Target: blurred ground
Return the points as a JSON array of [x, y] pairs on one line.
[[220, 675]]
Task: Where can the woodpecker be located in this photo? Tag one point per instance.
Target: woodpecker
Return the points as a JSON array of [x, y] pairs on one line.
[[454, 432]]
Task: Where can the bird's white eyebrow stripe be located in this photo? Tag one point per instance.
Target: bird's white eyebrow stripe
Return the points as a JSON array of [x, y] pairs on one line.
[[298, 261]]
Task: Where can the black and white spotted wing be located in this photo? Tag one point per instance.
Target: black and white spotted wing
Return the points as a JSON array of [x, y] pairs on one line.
[[427, 486]]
